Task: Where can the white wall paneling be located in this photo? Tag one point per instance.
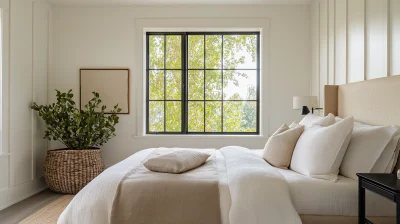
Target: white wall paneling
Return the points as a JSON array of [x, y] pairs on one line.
[[21, 91], [315, 48], [331, 41], [356, 40], [364, 41], [340, 41], [395, 37], [4, 136], [323, 47], [39, 84], [28, 62], [376, 38], [4, 174]]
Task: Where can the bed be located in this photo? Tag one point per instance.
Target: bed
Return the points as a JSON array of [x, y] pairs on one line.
[[321, 201], [249, 189]]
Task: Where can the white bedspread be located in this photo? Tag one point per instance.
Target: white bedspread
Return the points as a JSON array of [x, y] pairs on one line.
[[251, 191], [312, 196]]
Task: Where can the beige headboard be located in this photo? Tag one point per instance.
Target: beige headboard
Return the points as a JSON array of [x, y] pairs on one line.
[[374, 101]]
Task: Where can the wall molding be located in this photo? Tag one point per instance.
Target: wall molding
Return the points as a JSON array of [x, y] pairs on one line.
[[342, 71], [389, 39], [16, 194], [19, 131]]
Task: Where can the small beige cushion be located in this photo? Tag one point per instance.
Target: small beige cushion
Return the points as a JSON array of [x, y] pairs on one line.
[[294, 124], [178, 161], [279, 148], [283, 128]]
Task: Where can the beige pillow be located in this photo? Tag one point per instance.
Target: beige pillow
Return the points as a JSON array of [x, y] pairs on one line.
[[283, 128], [294, 124], [279, 148], [177, 161]]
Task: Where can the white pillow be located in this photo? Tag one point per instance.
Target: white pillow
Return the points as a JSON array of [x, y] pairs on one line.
[[385, 162], [393, 161], [311, 119], [319, 150], [366, 146]]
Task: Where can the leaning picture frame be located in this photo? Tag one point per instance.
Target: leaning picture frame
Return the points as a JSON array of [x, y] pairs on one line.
[[111, 83]]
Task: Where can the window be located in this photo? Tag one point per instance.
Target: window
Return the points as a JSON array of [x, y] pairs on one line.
[[203, 83]]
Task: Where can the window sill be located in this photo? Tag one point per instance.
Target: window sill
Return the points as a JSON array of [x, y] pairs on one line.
[[178, 136]]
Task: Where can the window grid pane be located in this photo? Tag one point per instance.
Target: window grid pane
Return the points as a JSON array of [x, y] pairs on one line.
[[212, 89]]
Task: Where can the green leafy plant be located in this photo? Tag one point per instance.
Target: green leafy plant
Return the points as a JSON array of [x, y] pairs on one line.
[[78, 129]]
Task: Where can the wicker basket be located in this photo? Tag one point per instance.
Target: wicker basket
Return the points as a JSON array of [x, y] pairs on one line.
[[68, 171]]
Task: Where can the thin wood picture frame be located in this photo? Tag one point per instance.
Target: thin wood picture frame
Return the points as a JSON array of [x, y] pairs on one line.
[[113, 85]]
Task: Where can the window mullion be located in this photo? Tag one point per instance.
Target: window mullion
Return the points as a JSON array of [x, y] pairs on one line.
[[222, 84], [184, 83], [165, 83], [204, 83]]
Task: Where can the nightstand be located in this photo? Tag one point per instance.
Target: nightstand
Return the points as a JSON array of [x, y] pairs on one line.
[[385, 185]]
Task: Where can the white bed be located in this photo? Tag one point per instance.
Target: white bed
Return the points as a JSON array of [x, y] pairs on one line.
[[311, 196], [251, 191]]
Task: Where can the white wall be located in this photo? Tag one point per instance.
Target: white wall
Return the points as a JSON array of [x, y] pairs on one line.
[[23, 149], [363, 40], [108, 37]]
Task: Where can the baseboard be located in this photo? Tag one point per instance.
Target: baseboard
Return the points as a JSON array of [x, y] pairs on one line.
[[18, 193]]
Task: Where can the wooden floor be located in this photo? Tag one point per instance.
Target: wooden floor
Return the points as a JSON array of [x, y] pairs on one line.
[[17, 212]]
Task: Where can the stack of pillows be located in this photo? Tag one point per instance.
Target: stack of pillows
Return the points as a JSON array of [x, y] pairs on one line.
[[323, 147]]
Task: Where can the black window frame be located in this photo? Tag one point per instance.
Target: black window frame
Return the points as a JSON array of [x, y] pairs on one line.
[[184, 91]]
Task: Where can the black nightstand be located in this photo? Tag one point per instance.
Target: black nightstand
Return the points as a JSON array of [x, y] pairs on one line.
[[385, 185]]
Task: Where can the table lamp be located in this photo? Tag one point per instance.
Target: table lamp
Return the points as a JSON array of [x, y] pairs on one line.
[[303, 103]]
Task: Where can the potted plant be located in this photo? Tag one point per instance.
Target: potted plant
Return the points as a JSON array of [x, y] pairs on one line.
[[69, 169]]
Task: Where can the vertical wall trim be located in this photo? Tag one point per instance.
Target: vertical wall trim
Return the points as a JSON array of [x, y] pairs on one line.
[[347, 41], [49, 11], [48, 60], [11, 161], [311, 50], [327, 43], [389, 39], [319, 53], [334, 42], [8, 94], [365, 40], [33, 171]]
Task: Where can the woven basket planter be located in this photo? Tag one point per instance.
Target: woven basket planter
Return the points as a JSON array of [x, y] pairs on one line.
[[68, 171]]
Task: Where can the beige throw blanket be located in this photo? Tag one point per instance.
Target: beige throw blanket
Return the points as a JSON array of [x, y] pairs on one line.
[[146, 197]]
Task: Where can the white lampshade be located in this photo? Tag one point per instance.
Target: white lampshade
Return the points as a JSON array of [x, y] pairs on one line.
[[300, 101]]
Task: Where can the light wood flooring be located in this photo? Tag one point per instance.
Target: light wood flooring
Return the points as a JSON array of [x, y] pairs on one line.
[[18, 212]]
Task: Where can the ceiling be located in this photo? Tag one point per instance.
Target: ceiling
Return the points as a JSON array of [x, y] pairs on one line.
[[179, 2]]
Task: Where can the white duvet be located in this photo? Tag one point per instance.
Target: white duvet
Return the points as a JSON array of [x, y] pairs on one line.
[[251, 191]]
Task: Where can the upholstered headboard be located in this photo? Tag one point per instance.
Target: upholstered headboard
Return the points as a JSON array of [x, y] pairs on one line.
[[375, 102]]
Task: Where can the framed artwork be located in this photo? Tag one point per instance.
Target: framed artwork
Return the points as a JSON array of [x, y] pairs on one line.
[[111, 84]]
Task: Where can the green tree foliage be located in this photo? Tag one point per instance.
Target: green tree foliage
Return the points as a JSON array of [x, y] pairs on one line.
[[78, 129], [230, 53]]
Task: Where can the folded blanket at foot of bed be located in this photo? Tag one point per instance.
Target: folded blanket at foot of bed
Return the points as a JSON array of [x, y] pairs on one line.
[[150, 197]]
